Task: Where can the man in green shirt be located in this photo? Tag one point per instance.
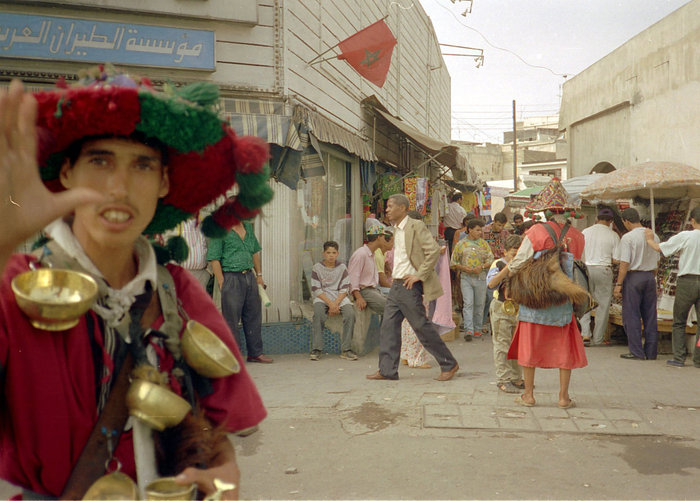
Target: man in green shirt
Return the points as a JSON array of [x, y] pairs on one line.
[[235, 261]]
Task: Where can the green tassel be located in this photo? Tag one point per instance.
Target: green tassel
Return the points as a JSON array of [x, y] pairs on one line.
[[254, 192], [162, 254], [211, 229], [203, 93], [178, 249], [59, 110]]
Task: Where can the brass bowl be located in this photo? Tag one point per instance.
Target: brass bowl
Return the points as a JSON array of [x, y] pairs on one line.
[[166, 488], [113, 486], [159, 407], [53, 299], [206, 353]]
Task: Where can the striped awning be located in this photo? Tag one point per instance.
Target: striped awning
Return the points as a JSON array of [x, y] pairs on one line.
[[265, 119], [327, 131]]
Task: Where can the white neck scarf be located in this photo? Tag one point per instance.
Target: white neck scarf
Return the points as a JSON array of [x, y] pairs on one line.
[[112, 304]]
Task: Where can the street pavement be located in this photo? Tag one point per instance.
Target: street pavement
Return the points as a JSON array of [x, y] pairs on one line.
[[332, 434]]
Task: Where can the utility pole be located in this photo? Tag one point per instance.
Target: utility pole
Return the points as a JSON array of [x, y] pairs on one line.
[[515, 151]]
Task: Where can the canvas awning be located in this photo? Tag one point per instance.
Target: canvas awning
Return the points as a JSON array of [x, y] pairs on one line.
[[261, 118], [442, 152], [327, 131]]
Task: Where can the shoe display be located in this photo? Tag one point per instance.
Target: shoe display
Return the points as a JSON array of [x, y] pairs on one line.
[[315, 355], [348, 355], [260, 359], [675, 363]]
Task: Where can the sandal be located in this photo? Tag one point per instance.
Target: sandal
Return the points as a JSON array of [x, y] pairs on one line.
[[519, 400], [508, 387], [518, 384]]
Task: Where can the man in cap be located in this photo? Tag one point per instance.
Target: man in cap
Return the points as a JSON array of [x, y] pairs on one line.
[[364, 276], [636, 283], [600, 252], [125, 160], [687, 287]]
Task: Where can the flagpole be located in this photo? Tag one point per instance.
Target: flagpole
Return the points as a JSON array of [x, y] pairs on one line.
[[330, 49], [322, 54]]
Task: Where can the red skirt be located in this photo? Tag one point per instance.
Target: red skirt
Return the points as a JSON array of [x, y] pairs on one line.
[[548, 346]]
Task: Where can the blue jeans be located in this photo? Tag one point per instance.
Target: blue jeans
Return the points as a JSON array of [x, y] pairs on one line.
[[474, 295]]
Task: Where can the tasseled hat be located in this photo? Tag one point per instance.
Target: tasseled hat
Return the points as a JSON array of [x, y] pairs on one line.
[[553, 199], [206, 158]]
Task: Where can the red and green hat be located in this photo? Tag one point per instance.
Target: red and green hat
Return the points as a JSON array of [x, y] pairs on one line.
[[206, 158], [553, 199]]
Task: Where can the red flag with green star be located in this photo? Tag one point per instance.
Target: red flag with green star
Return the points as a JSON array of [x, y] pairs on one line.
[[369, 51]]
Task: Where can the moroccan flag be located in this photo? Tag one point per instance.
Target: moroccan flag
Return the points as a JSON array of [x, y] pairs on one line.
[[369, 51]]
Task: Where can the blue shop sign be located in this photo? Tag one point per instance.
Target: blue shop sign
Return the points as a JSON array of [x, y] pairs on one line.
[[66, 39]]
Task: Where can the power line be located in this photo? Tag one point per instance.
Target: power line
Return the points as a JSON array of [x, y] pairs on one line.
[[500, 48]]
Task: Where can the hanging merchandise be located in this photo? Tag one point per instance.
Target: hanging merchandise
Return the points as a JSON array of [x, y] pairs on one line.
[[469, 202], [486, 201], [421, 194], [389, 183], [410, 187]]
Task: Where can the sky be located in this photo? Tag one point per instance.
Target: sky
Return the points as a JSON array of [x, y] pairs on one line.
[[563, 36]]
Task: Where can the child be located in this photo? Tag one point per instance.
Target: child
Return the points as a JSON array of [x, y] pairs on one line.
[[330, 286], [508, 372]]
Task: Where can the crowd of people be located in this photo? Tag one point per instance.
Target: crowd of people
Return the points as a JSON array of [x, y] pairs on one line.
[[102, 163]]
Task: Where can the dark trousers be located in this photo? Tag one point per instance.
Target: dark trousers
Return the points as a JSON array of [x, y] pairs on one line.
[[240, 302], [449, 235], [408, 303], [639, 305], [687, 296]]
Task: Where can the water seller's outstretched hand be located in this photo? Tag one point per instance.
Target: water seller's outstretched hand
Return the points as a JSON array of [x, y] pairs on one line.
[[26, 205]]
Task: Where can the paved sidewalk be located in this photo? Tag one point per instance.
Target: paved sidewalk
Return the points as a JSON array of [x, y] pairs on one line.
[[332, 434]]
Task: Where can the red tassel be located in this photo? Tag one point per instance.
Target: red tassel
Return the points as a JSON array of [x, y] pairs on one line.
[[232, 213], [250, 154]]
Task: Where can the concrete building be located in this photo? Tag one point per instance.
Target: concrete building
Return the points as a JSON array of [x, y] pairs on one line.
[[331, 132], [639, 103]]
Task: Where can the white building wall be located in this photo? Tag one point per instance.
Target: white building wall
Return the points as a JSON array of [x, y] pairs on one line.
[[641, 101]]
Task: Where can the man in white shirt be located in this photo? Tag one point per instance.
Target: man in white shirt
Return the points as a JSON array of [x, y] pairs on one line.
[[453, 218], [600, 251], [687, 287], [414, 280], [637, 284]]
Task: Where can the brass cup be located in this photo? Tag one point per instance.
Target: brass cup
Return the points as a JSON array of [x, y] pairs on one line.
[[54, 299], [206, 353], [166, 488], [510, 308], [113, 486], [159, 407]]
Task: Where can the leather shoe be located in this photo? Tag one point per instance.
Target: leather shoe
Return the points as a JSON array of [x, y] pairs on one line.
[[446, 376], [377, 376], [261, 359], [629, 356]]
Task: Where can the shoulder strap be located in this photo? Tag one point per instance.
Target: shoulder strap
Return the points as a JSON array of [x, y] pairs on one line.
[[552, 234], [91, 463]]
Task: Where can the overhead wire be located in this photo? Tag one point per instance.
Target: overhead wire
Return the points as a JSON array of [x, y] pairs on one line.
[[564, 75]]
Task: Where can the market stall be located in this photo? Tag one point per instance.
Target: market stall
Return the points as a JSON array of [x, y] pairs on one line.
[[664, 193]]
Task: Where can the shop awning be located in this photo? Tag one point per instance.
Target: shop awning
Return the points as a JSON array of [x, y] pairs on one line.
[[327, 131], [444, 153], [260, 118]]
